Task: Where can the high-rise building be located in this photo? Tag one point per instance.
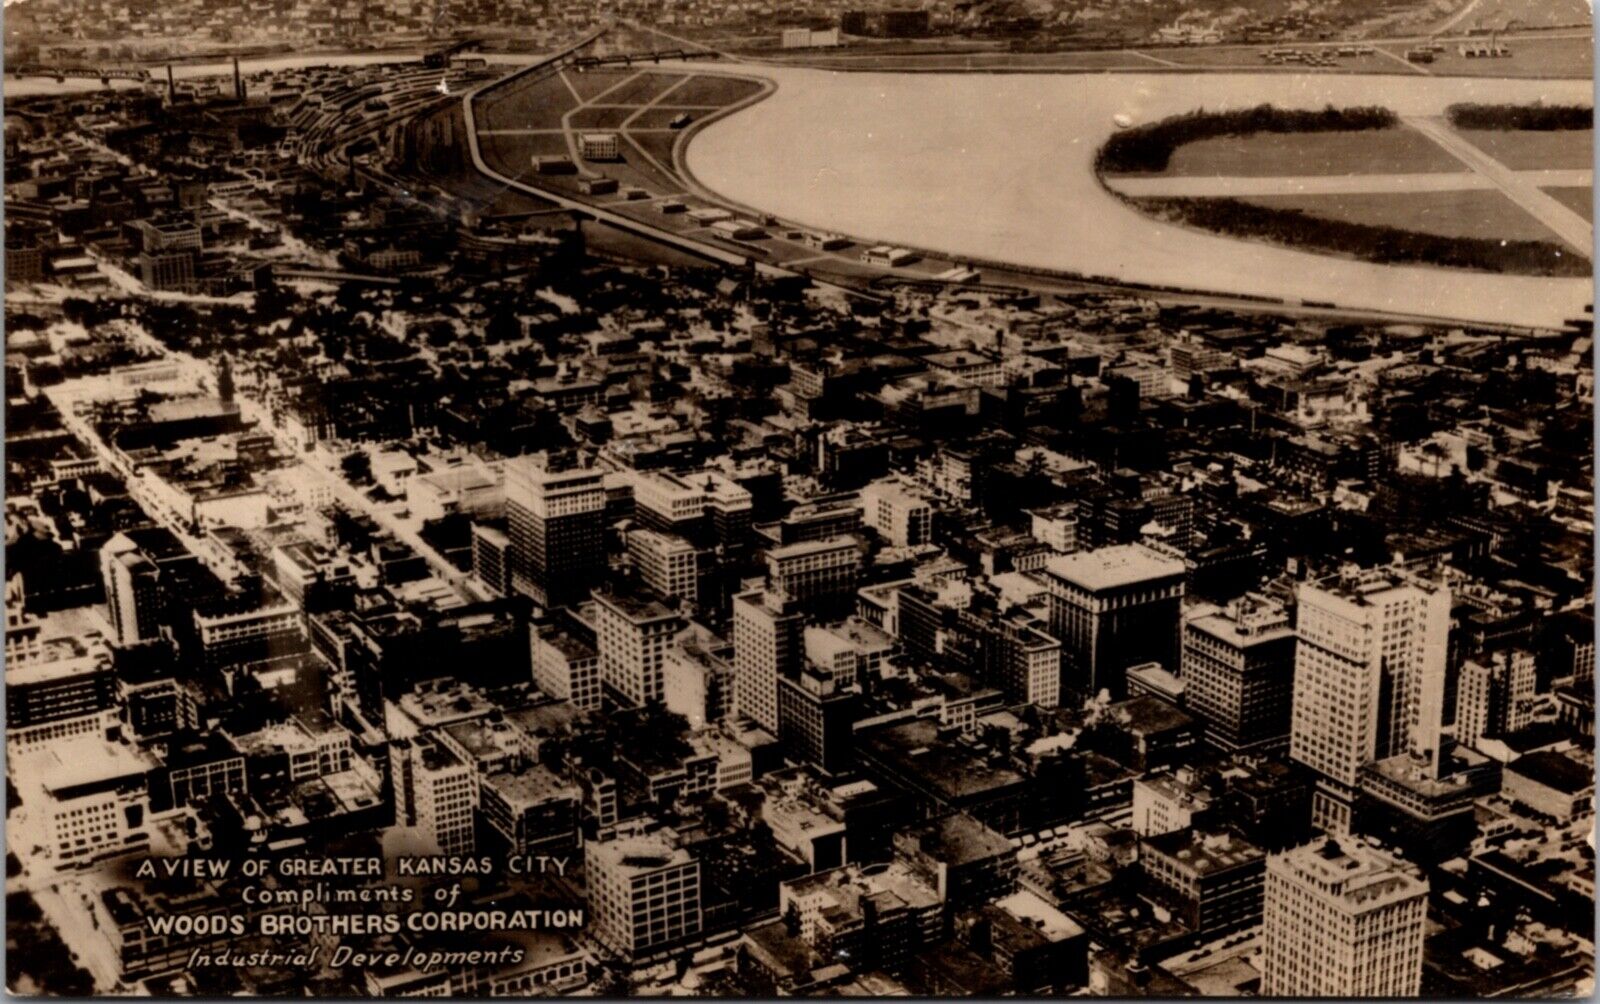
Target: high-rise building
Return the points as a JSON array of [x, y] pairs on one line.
[[1369, 678], [133, 591], [1238, 673], [255, 636], [633, 635], [58, 683], [666, 563], [699, 678], [900, 515], [1023, 660], [1112, 608], [556, 513], [1495, 695], [491, 557], [167, 270], [1342, 919], [768, 634], [566, 666], [434, 796], [816, 571], [82, 798], [1210, 878], [644, 892], [816, 713], [707, 508]]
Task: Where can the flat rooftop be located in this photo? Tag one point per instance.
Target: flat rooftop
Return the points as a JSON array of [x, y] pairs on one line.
[[530, 786], [1204, 852], [81, 760], [1113, 567], [1554, 770], [1046, 919], [960, 839]]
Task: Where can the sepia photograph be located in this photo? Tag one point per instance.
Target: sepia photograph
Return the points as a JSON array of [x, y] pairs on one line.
[[815, 498]]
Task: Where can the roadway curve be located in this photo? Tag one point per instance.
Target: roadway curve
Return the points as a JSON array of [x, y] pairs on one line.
[[1000, 167]]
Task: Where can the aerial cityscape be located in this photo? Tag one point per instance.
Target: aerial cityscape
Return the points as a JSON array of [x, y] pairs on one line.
[[836, 498]]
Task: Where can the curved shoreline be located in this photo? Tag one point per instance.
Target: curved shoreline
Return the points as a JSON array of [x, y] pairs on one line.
[[797, 157], [1309, 243]]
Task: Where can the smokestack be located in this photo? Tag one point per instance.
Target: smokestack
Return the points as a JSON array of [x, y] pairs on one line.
[[238, 81], [172, 88]]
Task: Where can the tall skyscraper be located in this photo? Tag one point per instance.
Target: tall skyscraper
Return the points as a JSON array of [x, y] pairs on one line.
[[556, 515], [146, 571], [1238, 673], [1112, 608], [1342, 919], [1495, 695], [133, 591], [633, 634], [1369, 678], [667, 563], [816, 715], [768, 634], [434, 796]]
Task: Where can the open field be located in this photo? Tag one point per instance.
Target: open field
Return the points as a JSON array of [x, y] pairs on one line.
[[540, 103], [1579, 200], [533, 108], [1529, 150], [601, 118], [661, 117], [518, 151], [1558, 54], [881, 171], [1471, 213], [591, 83], [710, 90], [535, 104], [1530, 57], [657, 145], [1372, 151], [642, 89]]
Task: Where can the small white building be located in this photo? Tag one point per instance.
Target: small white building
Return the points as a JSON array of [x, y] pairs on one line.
[[599, 146], [393, 470], [883, 254]]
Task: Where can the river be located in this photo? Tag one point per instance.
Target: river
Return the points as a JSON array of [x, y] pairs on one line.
[[1000, 167]]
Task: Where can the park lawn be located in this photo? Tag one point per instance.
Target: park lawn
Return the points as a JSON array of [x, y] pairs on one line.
[[1400, 150], [661, 116], [1473, 213], [1579, 200], [1535, 149], [600, 118], [591, 83], [641, 90], [713, 90], [657, 145]]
